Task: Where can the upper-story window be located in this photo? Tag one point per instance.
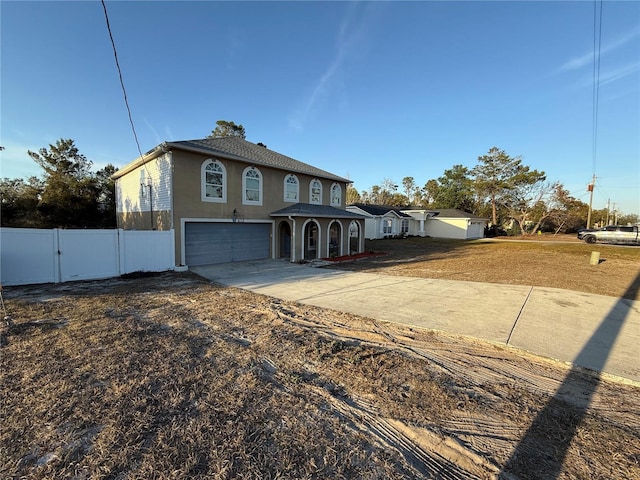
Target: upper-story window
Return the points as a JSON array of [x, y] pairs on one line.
[[252, 186], [336, 195], [291, 188], [214, 181], [315, 192]]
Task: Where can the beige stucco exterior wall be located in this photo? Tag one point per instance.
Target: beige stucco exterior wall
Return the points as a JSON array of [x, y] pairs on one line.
[[177, 178], [187, 187], [299, 244]]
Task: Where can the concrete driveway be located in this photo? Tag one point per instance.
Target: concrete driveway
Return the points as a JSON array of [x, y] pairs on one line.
[[594, 331]]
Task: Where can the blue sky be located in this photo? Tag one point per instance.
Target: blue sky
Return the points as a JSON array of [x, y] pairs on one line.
[[367, 91]]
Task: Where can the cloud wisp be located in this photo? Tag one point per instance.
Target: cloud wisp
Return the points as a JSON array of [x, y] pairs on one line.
[[587, 58], [155, 132], [351, 34], [618, 73]]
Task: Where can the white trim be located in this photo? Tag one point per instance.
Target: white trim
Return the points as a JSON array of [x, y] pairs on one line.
[[340, 237], [244, 186], [404, 221], [331, 200], [383, 224], [319, 202], [360, 236], [284, 184], [304, 239], [355, 209]]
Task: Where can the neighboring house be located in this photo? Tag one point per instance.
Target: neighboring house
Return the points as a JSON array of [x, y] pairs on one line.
[[384, 221], [228, 199], [452, 223]]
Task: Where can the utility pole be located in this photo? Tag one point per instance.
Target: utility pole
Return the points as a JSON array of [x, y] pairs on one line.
[[590, 190], [608, 206]]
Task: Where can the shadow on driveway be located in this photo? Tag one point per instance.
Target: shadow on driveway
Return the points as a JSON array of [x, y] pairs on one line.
[[544, 446]]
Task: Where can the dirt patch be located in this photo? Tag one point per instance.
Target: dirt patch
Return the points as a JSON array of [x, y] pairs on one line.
[[559, 263], [174, 377]]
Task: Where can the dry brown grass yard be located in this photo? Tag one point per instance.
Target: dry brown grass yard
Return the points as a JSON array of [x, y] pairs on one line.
[[169, 376], [559, 262]]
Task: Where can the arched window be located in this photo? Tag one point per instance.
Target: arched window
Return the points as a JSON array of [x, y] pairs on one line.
[[252, 186], [336, 195], [214, 181], [291, 188], [315, 192]]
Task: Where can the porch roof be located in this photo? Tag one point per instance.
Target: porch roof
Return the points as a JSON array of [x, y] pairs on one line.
[[318, 211]]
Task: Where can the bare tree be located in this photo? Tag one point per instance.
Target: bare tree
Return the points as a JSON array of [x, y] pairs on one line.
[[532, 203]]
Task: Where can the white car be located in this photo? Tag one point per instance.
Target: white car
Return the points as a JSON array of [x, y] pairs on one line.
[[616, 234]]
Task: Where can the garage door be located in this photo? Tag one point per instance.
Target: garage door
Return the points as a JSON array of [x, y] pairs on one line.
[[208, 243]]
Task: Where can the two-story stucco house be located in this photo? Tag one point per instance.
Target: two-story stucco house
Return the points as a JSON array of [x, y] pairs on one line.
[[228, 199]]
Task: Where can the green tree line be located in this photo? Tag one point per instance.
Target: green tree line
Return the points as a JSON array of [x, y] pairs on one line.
[[501, 188], [68, 194]]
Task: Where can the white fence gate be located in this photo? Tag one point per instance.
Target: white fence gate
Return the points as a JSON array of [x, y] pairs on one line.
[[29, 255]]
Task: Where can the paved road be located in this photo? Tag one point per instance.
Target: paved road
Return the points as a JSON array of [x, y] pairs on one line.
[[594, 331]]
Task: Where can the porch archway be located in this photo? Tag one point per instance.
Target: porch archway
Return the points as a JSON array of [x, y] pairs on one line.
[[355, 232], [334, 239], [284, 236], [311, 240]]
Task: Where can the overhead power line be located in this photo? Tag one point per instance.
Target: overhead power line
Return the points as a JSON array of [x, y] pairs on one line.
[[124, 91], [597, 44], [597, 47]]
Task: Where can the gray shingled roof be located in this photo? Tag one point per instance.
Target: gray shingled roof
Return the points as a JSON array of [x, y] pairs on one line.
[[379, 210], [454, 213], [237, 148], [310, 210]]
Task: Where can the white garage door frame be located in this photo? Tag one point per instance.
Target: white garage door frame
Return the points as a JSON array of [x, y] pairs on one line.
[[184, 221]]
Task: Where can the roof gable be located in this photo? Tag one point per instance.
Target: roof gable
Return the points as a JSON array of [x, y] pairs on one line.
[[454, 213], [379, 210]]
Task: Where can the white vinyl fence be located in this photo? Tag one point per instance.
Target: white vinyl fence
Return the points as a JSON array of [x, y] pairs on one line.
[[30, 255]]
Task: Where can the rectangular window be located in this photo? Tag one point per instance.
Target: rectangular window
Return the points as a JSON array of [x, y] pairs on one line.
[[292, 192], [386, 226], [405, 226], [253, 189], [214, 185]]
